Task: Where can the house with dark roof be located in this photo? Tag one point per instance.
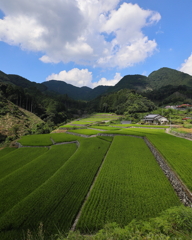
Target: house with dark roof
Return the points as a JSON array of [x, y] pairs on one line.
[[155, 119]]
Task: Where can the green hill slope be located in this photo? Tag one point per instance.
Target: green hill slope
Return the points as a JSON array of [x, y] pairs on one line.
[[136, 82], [168, 76], [15, 121]]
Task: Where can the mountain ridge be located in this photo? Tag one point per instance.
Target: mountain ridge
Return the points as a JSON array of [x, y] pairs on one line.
[[157, 79]]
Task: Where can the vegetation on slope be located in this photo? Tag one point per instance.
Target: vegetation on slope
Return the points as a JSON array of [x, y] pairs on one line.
[[167, 76], [132, 82], [123, 101], [174, 223], [15, 121]]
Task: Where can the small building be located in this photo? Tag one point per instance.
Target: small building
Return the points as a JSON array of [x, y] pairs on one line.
[[125, 122], [155, 119]]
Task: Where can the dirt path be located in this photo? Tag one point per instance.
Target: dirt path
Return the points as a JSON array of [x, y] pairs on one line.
[[168, 131]]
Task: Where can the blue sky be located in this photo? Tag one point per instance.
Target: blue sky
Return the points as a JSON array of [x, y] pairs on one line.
[[94, 42]]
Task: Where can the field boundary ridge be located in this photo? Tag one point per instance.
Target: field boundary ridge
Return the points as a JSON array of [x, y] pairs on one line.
[[180, 188], [89, 191]]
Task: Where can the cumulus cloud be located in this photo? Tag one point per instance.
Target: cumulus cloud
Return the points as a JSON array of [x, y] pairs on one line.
[[186, 67], [74, 76], [106, 82], [82, 77], [94, 32]]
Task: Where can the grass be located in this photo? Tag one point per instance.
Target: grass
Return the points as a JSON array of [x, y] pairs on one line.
[[64, 137], [182, 130], [36, 140], [18, 185], [6, 151], [108, 139], [135, 131], [58, 199], [86, 131], [177, 152], [18, 158], [71, 127], [139, 125], [104, 127], [129, 186], [96, 118]]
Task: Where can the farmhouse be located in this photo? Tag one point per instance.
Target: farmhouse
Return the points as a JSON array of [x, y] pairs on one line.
[[155, 119]]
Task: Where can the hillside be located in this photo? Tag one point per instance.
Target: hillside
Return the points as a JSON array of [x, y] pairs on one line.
[[121, 102], [15, 121], [62, 87], [136, 82], [167, 76], [154, 85]]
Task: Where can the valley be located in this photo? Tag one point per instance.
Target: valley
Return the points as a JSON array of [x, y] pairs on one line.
[[75, 164], [53, 179]]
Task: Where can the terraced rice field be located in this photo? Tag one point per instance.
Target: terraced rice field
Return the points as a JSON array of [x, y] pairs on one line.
[[6, 151], [50, 187], [49, 184], [129, 186], [36, 140], [178, 153], [85, 131], [99, 117], [139, 125]]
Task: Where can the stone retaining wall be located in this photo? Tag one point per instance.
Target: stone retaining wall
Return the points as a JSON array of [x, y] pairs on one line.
[[113, 135], [184, 135], [77, 134], [182, 191]]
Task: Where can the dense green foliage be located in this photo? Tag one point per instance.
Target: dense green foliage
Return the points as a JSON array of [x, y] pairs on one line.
[[167, 76], [174, 223], [50, 107], [78, 93], [54, 201], [133, 82], [123, 101], [129, 186], [15, 121], [170, 95]]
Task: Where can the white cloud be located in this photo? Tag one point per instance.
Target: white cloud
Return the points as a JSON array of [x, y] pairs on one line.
[[75, 77], [82, 78], [105, 82], [186, 67], [91, 32]]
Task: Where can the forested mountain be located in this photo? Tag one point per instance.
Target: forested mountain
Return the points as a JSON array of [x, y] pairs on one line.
[[121, 102], [53, 100], [62, 87], [134, 82], [51, 109], [167, 76], [156, 80], [170, 95]]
